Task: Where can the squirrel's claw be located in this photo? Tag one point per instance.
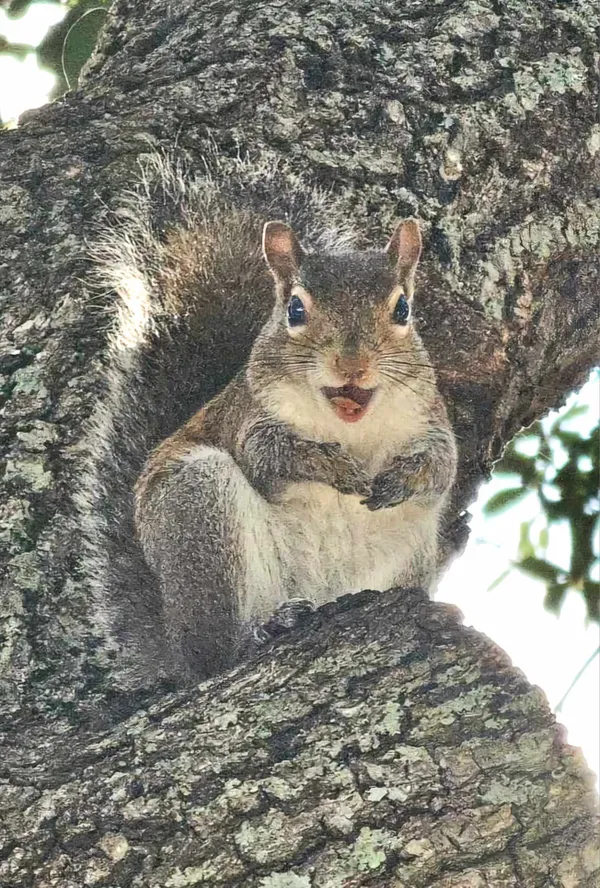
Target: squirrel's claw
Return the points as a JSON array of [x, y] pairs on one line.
[[374, 505], [291, 613], [387, 491]]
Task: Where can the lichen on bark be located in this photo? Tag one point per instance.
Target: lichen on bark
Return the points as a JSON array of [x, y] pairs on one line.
[[383, 744]]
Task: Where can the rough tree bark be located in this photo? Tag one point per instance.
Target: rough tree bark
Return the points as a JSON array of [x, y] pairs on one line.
[[385, 744]]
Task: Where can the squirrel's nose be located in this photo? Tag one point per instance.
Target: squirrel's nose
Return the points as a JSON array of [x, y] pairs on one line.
[[352, 368]]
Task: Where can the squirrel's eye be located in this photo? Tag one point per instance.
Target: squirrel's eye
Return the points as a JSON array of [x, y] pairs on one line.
[[401, 311], [296, 312]]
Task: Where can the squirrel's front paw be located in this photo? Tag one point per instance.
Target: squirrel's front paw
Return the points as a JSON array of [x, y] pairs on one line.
[[396, 484], [289, 615], [386, 492], [347, 475]]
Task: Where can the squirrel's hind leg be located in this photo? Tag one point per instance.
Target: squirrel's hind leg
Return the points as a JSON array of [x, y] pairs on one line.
[[207, 535]]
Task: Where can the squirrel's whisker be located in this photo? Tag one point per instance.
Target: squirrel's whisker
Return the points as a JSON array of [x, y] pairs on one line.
[[402, 378]]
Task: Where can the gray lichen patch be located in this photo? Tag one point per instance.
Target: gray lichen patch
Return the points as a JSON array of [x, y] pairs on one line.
[[531, 750], [593, 142], [28, 471], [554, 73], [15, 522], [38, 436], [356, 863], [222, 869], [538, 237], [520, 793], [24, 572], [275, 838], [474, 19], [285, 880], [464, 707], [16, 207], [115, 846], [371, 848], [30, 394]]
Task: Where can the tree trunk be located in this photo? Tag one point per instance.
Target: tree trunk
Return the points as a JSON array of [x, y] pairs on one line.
[[385, 744]]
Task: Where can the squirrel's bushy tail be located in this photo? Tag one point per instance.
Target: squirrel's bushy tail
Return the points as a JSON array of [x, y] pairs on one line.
[[192, 291]]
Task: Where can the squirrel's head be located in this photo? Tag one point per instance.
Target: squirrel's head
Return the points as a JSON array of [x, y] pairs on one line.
[[341, 328]]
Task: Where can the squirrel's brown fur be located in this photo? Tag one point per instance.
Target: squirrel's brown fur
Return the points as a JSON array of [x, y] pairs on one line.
[[253, 463]]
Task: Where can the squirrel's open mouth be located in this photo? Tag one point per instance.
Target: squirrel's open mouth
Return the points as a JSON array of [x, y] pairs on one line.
[[349, 401]]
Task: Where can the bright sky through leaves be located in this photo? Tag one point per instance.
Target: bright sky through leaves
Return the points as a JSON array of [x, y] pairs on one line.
[[23, 84], [31, 27]]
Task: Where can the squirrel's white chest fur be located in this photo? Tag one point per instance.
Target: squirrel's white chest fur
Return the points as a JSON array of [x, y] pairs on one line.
[[318, 544], [330, 544]]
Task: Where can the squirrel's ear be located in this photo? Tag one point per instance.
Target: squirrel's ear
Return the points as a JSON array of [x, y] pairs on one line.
[[282, 250], [404, 247]]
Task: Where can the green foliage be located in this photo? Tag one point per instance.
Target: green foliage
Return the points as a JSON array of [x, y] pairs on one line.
[[68, 45], [499, 501], [561, 468]]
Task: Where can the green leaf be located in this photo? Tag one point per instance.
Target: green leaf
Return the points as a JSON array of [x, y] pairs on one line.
[[545, 451], [80, 41], [499, 579], [503, 499], [568, 439], [518, 464], [555, 594], [542, 570], [526, 548], [68, 45], [591, 593]]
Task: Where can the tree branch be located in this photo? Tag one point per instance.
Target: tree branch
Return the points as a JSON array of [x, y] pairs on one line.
[[383, 744]]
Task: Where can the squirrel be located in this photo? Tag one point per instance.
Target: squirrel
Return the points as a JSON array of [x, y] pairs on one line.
[[271, 429]]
